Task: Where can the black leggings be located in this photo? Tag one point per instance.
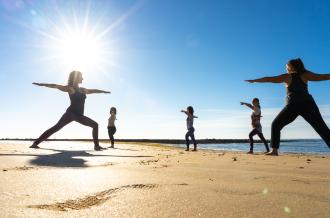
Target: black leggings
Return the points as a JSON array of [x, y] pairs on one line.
[[111, 131], [309, 111], [67, 118], [254, 132], [192, 136]]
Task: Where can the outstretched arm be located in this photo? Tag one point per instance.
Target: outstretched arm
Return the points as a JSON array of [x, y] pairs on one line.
[[247, 104], [92, 91], [274, 79], [55, 86], [188, 114], [310, 76]]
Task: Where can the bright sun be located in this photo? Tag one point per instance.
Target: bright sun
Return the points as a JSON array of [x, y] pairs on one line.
[[79, 39], [79, 51]]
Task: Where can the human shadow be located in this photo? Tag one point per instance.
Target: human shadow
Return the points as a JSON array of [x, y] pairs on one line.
[[65, 158]]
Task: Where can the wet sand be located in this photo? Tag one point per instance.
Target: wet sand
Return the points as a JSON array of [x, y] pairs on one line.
[[69, 179]]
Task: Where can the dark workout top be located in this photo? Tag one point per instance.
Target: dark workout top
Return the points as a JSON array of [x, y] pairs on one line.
[[297, 91], [190, 122], [77, 102]]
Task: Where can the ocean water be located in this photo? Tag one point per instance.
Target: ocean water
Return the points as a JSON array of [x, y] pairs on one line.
[[308, 146], [312, 146]]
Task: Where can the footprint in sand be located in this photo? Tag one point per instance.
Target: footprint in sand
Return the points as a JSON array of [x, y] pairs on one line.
[[302, 181], [260, 177], [90, 200], [18, 168], [147, 162], [105, 164], [183, 184], [162, 166]]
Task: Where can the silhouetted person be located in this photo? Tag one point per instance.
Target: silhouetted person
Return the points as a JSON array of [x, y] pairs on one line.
[[190, 122], [256, 124], [299, 102], [111, 125], [75, 111]]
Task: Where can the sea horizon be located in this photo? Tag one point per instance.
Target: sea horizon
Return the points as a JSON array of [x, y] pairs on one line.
[[298, 146]]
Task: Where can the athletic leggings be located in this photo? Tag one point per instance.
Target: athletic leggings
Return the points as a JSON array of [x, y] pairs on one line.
[[67, 118], [309, 111], [111, 131], [254, 132], [192, 136]]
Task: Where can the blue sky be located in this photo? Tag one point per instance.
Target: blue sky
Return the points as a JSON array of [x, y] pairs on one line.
[[158, 57]]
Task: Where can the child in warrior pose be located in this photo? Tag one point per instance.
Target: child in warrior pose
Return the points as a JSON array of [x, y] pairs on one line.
[[190, 121], [111, 125], [256, 125]]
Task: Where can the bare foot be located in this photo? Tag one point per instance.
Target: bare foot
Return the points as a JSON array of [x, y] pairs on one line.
[[194, 149], [98, 148], [250, 152], [34, 146], [272, 153], [187, 149]]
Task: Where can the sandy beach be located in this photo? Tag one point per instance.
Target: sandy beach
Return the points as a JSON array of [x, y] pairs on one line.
[[69, 179]]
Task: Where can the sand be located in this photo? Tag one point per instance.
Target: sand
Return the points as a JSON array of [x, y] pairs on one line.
[[69, 179]]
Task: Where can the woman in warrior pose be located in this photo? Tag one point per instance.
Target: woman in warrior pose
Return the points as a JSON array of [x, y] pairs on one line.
[[298, 101], [75, 111]]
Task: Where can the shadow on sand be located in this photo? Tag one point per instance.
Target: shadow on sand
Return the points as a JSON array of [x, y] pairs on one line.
[[65, 158]]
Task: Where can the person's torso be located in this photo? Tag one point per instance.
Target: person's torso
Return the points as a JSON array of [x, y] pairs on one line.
[[190, 122], [255, 117], [77, 100], [111, 121], [297, 90]]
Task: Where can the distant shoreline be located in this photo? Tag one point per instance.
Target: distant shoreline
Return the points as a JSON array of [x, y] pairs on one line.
[[162, 141]]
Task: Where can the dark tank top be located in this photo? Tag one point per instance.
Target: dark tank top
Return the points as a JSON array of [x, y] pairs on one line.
[[77, 102], [297, 91]]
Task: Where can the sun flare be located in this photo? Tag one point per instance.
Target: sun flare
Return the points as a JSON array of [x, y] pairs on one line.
[[76, 37], [79, 51]]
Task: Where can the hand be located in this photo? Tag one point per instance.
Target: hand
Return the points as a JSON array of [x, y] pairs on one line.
[[37, 84], [250, 81], [242, 103], [183, 111], [106, 92]]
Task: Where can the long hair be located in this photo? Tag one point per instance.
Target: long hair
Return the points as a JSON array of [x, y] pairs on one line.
[[113, 109], [73, 76], [297, 65], [190, 110], [258, 102]]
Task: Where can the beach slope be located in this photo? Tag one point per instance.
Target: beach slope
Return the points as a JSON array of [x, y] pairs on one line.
[[69, 179]]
